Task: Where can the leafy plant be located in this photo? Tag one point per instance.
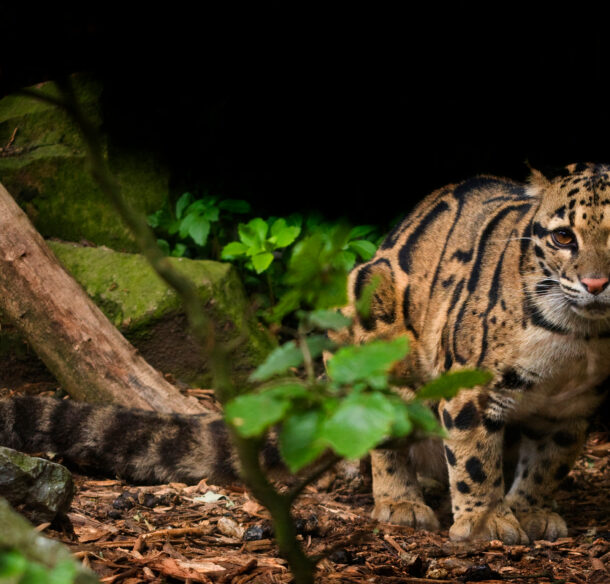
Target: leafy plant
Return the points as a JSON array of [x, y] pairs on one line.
[[258, 240], [355, 408], [189, 225]]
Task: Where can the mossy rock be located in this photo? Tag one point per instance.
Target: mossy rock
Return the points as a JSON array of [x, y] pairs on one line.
[[43, 166], [150, 315]]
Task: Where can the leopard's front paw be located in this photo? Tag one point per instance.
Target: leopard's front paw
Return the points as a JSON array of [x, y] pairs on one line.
[[489, 523], [409, 513], [541, 523]]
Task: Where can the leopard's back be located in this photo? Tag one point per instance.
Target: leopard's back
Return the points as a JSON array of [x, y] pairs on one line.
[[441, 274]]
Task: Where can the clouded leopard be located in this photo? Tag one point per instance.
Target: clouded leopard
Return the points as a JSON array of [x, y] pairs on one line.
[[487, 273]]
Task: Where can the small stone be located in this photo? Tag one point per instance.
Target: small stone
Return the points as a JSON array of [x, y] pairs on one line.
[[256, 532], [126, 500], [480, 574], [230, 528], [37, 487], [437, 573], [307, 525], [340, 556]]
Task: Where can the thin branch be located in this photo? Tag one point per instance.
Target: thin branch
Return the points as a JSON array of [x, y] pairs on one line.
[[247, 450]]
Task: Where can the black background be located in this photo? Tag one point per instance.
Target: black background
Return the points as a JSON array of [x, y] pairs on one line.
[[351, 114]]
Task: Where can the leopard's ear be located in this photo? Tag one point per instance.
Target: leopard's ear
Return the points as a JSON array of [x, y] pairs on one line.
[[537, 181], [537, 178]]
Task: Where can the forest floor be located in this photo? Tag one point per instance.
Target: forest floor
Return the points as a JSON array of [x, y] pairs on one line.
[[205, 533]]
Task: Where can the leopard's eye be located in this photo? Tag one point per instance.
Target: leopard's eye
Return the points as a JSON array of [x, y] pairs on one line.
[[563, 237]]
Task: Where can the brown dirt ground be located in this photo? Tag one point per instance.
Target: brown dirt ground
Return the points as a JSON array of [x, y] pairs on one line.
[[205, 533]]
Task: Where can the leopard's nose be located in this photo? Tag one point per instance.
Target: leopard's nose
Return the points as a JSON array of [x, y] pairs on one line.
[[594, 285]]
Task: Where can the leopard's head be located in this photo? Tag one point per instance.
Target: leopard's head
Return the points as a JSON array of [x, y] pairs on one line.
[[570, 236]]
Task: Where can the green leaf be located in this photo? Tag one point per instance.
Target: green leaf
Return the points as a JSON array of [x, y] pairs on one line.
[[448, 384], [284, 235], [289, 355], [422, 416], [164, 246], [186, 224], [280, 360], [254, 233], [12, 563], [253, 413], [235, 206], [179, 250], [329, 319], [182, 203], [196, 208], [233, 249], [345, 260], [367, 362], [154, 220], [62, 573], [402, 425], [173, 227], [299, 439], [199, 231], [261, 261], [360, 231], [289, 390], [361, 421], [211, 214], [365, 249]]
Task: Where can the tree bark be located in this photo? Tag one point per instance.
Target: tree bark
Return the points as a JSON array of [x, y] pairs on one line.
[[88, 356]]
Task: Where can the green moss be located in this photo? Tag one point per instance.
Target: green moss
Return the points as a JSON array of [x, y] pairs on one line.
[[46, 172], [135, 299]]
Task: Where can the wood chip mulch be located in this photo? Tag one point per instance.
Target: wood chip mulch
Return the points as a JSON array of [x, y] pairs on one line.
[[204, 533]]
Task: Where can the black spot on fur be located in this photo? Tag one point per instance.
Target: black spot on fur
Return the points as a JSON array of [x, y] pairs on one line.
[[450, 456], [25, 425], [562, 471], [538, 478], [447, 420], [463, 487], [564, 439], [492, 425], [475, 469], [67, 421], [222, 461], [532, 433], [462, 256], [468, 417], [512, 380]]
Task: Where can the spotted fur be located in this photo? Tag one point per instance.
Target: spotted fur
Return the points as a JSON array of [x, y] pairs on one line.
[[511, 278]]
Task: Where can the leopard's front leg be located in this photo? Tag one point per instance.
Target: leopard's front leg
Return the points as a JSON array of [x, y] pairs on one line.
[[474, 460], [547, 453]]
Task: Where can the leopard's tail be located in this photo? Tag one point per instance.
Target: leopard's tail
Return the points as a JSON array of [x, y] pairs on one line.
[[137, 445]]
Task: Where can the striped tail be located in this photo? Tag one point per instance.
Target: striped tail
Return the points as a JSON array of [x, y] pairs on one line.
[[137, 445]]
